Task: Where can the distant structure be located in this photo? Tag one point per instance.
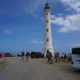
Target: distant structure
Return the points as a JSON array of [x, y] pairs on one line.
[[48, 36]]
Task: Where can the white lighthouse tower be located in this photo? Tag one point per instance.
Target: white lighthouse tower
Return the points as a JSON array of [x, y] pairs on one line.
[[48, 36]]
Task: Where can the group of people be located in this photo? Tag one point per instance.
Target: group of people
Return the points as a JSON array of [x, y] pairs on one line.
[[66, 58], [23, 55], [57, 58]]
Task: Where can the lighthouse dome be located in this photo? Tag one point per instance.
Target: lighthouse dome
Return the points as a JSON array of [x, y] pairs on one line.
[[47, 6]]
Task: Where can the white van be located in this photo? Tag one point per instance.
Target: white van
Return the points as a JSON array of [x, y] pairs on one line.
[[76, 58]]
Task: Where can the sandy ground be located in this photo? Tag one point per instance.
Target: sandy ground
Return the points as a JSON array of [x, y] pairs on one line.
[[37, 69], [2, 66]]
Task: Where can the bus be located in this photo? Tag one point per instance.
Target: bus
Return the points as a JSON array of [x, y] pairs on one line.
[[76, 58]]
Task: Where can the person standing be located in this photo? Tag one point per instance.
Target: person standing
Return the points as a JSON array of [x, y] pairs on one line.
[[1, 57], [49, 56], [65, 59], [22, 55], [27, 56]]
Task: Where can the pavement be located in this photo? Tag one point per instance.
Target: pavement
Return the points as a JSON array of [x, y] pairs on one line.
[[37, 69]]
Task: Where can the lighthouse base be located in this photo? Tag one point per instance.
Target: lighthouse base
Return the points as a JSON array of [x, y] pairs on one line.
[[48, 49]]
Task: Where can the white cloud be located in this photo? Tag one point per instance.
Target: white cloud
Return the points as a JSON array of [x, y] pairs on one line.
[[74, 4], [68, 23], [7, 31], [35, 41]]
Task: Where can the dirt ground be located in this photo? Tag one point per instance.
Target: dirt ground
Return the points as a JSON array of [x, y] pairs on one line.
[[2, 66], [37, 69]]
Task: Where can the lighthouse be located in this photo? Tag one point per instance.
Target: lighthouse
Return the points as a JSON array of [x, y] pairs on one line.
[[47, 29]]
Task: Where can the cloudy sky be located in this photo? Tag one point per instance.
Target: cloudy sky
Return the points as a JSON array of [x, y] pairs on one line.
[[22, 25]]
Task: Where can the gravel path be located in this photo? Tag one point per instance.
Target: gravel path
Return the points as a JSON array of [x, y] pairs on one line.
[[2, 66], [37, 69]]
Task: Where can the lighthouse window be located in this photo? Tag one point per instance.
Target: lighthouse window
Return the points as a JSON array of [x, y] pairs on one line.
[[47, 39], [47, 30], [47, 50], [46, 13], [47, 21]]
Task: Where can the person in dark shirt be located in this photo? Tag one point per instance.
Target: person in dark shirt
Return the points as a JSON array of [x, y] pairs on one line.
[[22, 55], [27, 56], [49, 56], [65, 58]]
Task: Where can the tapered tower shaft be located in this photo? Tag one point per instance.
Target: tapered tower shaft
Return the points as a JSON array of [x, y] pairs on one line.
[[48, 36]]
